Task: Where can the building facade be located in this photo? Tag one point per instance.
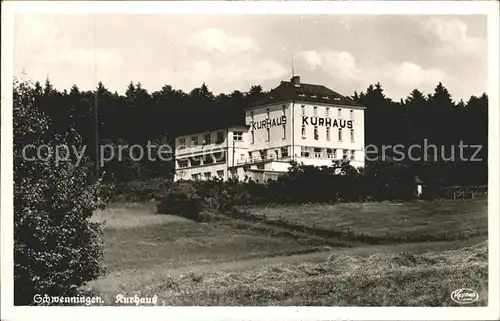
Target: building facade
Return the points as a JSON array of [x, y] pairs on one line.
[[304, 123]]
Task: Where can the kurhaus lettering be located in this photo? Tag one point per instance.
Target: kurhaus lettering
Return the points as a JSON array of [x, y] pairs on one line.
[[328, 122], [268, 123]]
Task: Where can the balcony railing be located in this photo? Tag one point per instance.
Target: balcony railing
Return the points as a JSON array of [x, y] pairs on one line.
[[209, 148], [258, 159]]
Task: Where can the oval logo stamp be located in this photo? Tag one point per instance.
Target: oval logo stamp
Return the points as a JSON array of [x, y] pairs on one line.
[[464, 296]]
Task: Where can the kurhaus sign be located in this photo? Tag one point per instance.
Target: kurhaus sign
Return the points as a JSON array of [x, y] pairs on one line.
[[306, 120], [268, 123], [328, 122]]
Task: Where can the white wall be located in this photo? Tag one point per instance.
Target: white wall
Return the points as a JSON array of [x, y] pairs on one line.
[[200, 148], [344, 121], [276, 139]]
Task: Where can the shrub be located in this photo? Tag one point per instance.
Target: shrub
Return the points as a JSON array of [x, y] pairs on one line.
[[56, 248], [142, 190], [182, 204]]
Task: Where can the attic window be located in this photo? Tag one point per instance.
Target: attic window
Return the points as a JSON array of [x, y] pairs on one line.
[[326, 97], [272, 97], [336, 98], [302, 95], [314, 96]]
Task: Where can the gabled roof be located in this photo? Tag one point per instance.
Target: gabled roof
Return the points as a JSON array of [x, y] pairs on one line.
[[287, 91]]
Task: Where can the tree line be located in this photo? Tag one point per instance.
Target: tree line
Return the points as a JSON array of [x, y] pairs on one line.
[[139, 117]]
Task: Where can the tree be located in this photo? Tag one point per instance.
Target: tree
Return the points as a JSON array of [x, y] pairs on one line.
[[56, 248], [441, 116], [416, 116]]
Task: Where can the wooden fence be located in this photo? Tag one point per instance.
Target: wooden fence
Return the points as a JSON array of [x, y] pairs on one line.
[[464, 192]]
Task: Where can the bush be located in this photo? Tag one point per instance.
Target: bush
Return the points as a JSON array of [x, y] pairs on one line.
[[56, 248], [181, 204], [142, 190]]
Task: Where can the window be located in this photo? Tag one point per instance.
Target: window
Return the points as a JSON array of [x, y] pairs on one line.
[[304, 152], [303, 131], [194, 140], [340, 134], [252, 114], [263, 154], [284, 131], [317, 152], [330, 153], [253, 136], [207, 175], [327, 112], [316, 134], [345, 154], [182, 163], [238, 136], [268, 134], [339, 112], [284, 151], [182, 143], [315, 111], [351, 114], [351, 156], [220, 137], [220, 174], [206, 139], [260, 166], [327, 133], [303, 109], [352, 135]]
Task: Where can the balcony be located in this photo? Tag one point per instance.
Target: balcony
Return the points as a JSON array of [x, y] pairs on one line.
[[200, 149], [258, 159]]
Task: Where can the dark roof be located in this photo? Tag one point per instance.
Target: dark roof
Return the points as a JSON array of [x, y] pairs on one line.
[[287, 91]]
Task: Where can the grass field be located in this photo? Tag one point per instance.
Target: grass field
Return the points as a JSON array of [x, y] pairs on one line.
[[135, 238], [450, 217], [229, 263]]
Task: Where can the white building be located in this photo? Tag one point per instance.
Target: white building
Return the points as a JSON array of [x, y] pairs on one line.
[[305, 123]]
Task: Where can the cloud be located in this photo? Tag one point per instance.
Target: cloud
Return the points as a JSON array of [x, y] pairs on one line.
[[43, 36], [225, 76], [340, 64], [212, 39], [412, 75], [452, 32], [399, 79], [234, 52], [225, 63]]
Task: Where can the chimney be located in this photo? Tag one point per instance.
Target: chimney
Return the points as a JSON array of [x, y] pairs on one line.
[[295, 81]]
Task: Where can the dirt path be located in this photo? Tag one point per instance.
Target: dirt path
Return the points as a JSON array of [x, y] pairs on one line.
[[253, 263]]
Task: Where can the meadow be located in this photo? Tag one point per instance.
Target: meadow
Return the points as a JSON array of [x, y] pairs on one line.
[[395, 219], [235, 262]]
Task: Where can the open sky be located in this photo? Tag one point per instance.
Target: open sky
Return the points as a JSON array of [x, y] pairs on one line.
[[228, 52]]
